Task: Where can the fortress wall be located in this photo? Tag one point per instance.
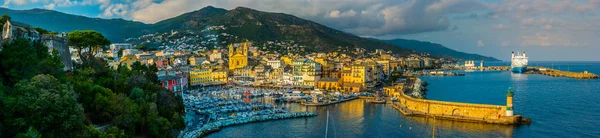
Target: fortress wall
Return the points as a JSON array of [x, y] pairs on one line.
[[433, 107]]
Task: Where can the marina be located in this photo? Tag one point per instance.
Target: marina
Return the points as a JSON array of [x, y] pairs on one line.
[[534, 95]]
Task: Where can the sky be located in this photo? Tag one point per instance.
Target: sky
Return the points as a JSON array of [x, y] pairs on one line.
[[549, 30]]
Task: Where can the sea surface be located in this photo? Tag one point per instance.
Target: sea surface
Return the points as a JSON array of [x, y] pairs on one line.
[[558, 107]]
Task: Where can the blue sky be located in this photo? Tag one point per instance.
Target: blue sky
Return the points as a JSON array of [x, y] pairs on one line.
[[549, 30]]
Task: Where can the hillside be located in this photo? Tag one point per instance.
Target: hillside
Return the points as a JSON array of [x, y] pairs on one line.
[[114, 29], [241, 22], [436, 49]]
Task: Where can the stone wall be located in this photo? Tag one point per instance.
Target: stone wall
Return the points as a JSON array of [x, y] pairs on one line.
[[454, 109]]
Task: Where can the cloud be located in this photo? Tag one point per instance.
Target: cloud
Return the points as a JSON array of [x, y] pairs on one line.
[[115, 10], [500, 26], [540, 39], [528, 21], [50, 6], [337, 14], [480, 43], [548, 27], [362, 17], [528, 8]]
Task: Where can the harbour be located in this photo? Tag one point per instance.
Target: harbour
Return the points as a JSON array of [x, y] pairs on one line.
[[534, 97]]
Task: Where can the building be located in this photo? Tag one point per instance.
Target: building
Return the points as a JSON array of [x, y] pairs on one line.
[[117, 46], [128, 60], [470, 64], [174, 81], [215, 56], [61, 45], [275, 63], [219, 76], [12, 31], [306, 72], [238, 57], [415, 63], [330, 84], [196, 61], [200, 77], [394, 91]]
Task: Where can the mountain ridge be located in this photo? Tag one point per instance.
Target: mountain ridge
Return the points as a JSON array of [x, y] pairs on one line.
[[245, 22]]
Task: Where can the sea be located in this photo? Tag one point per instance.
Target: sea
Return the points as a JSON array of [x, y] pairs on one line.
[[558, 107]]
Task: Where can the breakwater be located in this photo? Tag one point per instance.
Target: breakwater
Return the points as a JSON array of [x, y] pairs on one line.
[[467, 112], [560, 73], [216, 126]]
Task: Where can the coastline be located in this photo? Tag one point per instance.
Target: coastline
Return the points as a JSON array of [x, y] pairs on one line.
[[217, 126]]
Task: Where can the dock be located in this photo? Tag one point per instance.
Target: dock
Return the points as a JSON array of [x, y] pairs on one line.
[[328, 103]]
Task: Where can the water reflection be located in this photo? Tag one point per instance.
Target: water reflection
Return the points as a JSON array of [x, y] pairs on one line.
[[360, 119], [518, 77]]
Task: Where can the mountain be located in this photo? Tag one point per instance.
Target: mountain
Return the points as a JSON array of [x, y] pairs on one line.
[[436, 49], [242, 22], [114, 29]]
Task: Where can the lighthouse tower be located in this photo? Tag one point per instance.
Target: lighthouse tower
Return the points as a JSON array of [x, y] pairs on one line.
[[509, 102]]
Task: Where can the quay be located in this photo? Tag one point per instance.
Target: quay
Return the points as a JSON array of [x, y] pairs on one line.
[[466, 112], [216, 126], [328, 103]]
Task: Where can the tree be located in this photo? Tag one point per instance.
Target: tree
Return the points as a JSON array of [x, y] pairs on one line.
[[4, 18], [89, 41], [44, 104], [19, 61]]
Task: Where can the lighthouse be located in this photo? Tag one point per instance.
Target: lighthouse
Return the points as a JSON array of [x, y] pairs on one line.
[[509, 102]]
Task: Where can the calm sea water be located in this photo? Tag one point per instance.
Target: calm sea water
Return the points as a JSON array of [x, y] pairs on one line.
[[558, 107]]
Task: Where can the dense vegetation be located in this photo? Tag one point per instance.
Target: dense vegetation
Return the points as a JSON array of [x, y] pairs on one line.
[[39, 99], [436, 49]]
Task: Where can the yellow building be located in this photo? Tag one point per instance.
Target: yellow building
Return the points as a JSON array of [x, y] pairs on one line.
[[200, 77], [128, 60], [394, 91], [287, 60], [219, 76], [330, 84], [238, 57], [359, 74]]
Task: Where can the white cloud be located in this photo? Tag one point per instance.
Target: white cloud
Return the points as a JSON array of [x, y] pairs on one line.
[[500, 26], [115, 10], [337, 14], [50, 6], [540, 39], [528, 21], [480, 43]]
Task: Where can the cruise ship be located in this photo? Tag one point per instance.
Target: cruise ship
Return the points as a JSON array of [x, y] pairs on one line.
[[518, 62]]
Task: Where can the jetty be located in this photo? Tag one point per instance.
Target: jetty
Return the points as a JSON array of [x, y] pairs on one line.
[[329, 103], [466, 112], [560, 73]]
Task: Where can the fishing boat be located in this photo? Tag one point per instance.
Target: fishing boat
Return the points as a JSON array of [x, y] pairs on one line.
[[379, 99]]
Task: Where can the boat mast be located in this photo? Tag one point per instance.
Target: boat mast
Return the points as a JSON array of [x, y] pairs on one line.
[[327, 124]]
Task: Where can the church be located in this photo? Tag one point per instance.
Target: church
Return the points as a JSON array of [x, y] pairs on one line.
[[238, 56]]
